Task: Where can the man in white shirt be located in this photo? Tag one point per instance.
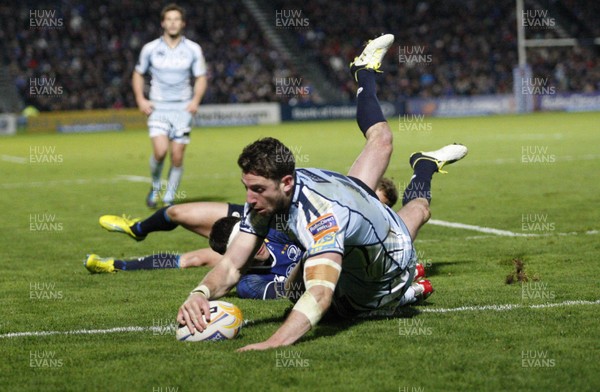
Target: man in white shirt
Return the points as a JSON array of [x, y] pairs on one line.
[[172, 61]]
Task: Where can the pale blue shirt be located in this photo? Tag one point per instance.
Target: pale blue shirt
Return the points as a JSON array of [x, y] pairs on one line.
[[171, 68]]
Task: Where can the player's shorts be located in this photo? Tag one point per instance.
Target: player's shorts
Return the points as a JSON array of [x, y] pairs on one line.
[[172, 120], [235, 210], [260, 286], [374, 278]]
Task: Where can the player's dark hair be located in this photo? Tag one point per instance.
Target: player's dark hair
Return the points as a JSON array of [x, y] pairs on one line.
[[389, 190], [172, 7], [220, 232], [267, 157]]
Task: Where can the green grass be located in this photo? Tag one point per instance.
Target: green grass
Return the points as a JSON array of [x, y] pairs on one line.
[[455, 351]]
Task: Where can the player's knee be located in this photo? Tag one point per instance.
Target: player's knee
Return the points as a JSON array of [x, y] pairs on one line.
[[175, 213], [159, 155], [383, 138], [424, 211], [177, 160]]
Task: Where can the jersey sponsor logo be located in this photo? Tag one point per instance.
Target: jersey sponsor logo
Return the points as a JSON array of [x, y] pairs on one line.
[[322, 226], [324, 244]]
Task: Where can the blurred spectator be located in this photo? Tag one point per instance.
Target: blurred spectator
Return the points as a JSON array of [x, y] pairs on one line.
[[89, 54], [450, 48]]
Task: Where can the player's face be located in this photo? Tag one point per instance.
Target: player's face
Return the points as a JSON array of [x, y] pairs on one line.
[[173, 23], [262, 254], [267, 196]]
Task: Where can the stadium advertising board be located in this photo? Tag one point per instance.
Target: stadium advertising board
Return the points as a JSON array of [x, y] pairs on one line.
[[462, 106], [238, 114], [328, 112], [87, 121], [570, 102]]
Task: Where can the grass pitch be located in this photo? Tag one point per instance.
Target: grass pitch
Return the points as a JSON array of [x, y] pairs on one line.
[[533, 175]]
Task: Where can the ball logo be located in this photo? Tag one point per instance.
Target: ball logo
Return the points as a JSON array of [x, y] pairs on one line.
[[225, 323]]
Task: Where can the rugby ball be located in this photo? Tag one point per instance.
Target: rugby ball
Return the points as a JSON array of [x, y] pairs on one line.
[[225, 322]]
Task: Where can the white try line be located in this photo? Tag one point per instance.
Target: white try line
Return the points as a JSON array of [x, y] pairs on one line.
[[162, 330], [498, 232], [501, 308], [481, 229]]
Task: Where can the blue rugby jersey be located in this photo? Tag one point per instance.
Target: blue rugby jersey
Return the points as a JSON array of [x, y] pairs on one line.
[[284, 256]]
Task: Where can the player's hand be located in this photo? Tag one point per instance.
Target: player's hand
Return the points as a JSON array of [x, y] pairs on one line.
[[190, 313], [192, 107], [145, 106], [257, 347]]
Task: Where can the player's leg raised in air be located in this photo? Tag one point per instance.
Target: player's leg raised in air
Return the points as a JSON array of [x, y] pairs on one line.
[[375, 156], [197, 217], [416, 199]]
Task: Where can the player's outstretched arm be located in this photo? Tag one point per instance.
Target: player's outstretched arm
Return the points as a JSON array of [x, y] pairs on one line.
[[321, 274], [222, 278]]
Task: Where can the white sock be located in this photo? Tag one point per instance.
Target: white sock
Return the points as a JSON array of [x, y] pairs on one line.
[[156, 171], [408, 297], [175, 174]]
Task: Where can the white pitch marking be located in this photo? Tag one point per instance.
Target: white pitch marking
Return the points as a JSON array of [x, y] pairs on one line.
[[479, 228], [134, 178], [499, 232], [501, 308], [13, 159], [79, 332], [496, 308]]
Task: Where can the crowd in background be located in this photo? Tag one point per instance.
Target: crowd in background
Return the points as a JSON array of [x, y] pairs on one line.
[[442, 49], [92, 55]]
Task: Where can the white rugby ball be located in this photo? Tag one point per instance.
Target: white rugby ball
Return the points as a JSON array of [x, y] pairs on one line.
[[225, 322]]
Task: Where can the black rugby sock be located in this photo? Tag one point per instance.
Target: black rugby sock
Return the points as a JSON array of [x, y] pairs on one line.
[[368, 110], [159, 221], [420, 183], [157, 261]]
